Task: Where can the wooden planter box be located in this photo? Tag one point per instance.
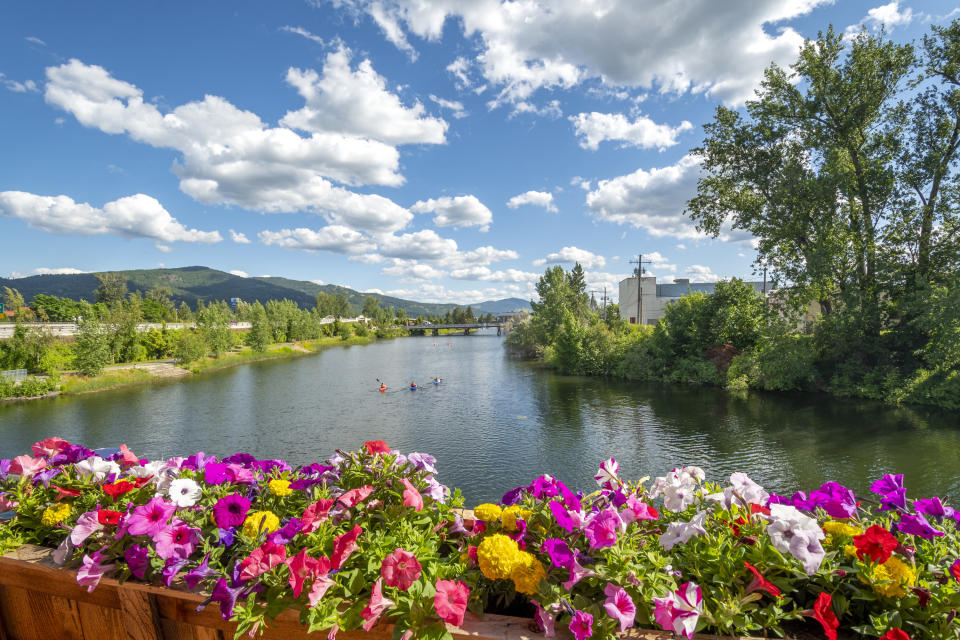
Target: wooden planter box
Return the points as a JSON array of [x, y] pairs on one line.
[[39, 601]]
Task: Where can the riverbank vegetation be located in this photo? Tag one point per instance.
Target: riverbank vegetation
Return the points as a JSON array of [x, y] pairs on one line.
[[372, 536], [844, 170]]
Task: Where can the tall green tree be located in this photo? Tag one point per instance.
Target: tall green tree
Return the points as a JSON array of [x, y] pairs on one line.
[[259, 336], [214, 325], [112, 288], [92, 347]]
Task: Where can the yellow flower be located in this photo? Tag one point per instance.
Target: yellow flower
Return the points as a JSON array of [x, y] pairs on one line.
[[509, 517], [527, 573], [841, 529], [497, 555], [280, 487], [890, 578], [55, 514], [260, 521], [487, 512], [850, 551]]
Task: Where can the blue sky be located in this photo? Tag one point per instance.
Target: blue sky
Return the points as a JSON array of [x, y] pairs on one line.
[[439, 151]]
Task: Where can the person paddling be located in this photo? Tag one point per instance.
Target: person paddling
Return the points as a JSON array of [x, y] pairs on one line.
[[383, 387], [413, 386]]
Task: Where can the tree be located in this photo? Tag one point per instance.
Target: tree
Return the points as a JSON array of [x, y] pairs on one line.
[[259, 336], [189, 346], [558, 292], [12, 300], [92, 347], [370, 307], [112, 289], [214, 325]]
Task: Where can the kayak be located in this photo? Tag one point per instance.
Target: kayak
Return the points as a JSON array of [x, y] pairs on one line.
[[436, 382], [383, 389], [413, 387]]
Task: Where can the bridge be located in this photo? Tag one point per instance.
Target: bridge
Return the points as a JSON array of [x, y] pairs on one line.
[[466, 327]]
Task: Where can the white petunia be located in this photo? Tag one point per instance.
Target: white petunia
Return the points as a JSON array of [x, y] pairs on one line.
[[742, 486], [96, 468], [184, 492], [681, 532], [796, 533]]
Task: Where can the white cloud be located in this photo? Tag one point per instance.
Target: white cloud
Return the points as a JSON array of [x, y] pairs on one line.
[[700, 46], [482, 256], [430, 292], [45, 271], [18, 87], [587, 259], [341, 100], [333, 238], [162, 247], [412, 271], [136, 216], [583, 183], [229, 156], [455, 106], [461, 211], [36, 41], [700, 273], [594, 128], [239, 272], [367, 258], [535, 198], [888, 15], [420, 245], [300, 31], [317, 282], [486, 275], [239, 238], [681, 246]]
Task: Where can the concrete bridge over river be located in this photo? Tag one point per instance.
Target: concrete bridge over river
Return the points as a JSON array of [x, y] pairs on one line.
[[465, 327]]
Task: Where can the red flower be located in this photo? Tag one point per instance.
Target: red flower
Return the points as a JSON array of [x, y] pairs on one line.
[[758, 508], [344, 545], [759, 583], [823, 613], [877, 543], [895, 634], [106, 516], [315, 514], [376, 446], [117, 489], [65, 493], [955, 569], [139, 482]]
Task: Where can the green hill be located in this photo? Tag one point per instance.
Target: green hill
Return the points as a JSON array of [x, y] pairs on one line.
[[192, 284]]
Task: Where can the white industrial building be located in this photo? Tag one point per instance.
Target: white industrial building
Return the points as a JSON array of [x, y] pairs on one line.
[[654, 297]]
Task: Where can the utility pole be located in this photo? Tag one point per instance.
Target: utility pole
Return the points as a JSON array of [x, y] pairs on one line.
[[604, 303], [640, 262]]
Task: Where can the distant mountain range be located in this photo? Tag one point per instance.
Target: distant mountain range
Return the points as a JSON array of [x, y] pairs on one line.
[[191, 284]]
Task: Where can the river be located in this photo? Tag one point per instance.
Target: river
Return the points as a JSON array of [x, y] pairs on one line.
[[495, 423]]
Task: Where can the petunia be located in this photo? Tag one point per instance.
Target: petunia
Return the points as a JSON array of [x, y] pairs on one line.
[[302, 566], [262, 559], [65, 493], [376, 446], [7, 503], [509, 498], [545, 619], [321, 583], [151, 518], [560, 554], [355, 496], [742, 489], [184, 492], [400, 569], [215, 473], [601, 531], [344, 545], [411, 496], [917, 525], [197, 462], [619, 606], [225, 536], [933, 507], [759, 583], [230, 511], [314, 515], [577, 573], [108, 517], [177, 540], [796, 533], [45, 476], [286, 533], [49, 447], [92, 569], [876, 543], [4, 468], [137, 559], [450, 601], [896, 634], [269, 466], [607, 474], [127, 457], [225, 594], [242, 459], [955, 570], [87, 525], [96, 468], [26, 467], [198, 573], [118, 488], [567, 519], [581, 626], [435, 490], [171, 568], [822, 612], [637, 510], [680, 610], [423, 462], [377, 605], [681, 532]]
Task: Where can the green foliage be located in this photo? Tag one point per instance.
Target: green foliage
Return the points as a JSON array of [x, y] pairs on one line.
[[781, 362], [31, 387], [92, 347], [57, 359], [189, 346], [214, 324], [258, 338], [112, 289], [156, 344]]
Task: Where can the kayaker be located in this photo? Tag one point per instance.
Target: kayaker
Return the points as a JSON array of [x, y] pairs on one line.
[[383, 387], [413, 385]]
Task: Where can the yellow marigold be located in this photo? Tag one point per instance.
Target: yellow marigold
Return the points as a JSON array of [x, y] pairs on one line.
[[55, 514], [508, 518], [527, 573], [280, 487], [497, 555], [890, 578], [487, 512], [850, 551], [260, 521], [841, 529]]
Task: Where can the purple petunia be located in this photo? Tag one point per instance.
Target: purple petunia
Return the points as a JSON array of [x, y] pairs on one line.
[[560, 554], [917, 526], [285, 534], [137, 559], [198, 573], [230, 511]]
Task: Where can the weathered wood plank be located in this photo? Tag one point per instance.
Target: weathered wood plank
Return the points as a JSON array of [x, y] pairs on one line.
[[173, 630], [102, 623], [16, 617], [139, 615]]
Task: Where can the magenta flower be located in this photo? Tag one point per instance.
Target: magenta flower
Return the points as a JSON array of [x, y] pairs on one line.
[[400, 569], [955, 570], [545, 486], [151, 518], [559, 552], [601, 531], [137, 559], [171, 569], [355, 496], [891, 488], [177, 541], [87, 525], [607, 474], [918, 526], [545, 619], [225, 594], [314, 515], [451, 601], [680, 610], [215, 473], [378, 604], [582, 625], [302, 567], [199, 572], [577, 573], [411, 495], [344, 545], [933, 507], [834, 498], [567, 519], [230, 511], [637, 510], [619, 606], [92, 569]]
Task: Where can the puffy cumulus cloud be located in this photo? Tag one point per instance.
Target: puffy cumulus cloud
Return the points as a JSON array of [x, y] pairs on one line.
[[231, 157], [136, 216], [535, 198], [652, 199], [459, 211], [587, 259], [412, 271], [702, 46], [889, 15], [700, 273], [367, 258], [420, 245], [238, 237], [47, 271], [597, 280], [239, 273], [485, 274], [431, 292], [484, 256], [357, 102], [333, 238], [594, 128]]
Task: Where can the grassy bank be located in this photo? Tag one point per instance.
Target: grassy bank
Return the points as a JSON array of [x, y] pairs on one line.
[[273, 352], [116, 379]]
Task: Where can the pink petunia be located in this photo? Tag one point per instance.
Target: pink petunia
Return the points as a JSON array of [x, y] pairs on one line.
[[26, 466], [344, 545], [545, 619], [302, 566], [314, 515], [262, 559], [320, 583], [568, 519], [177, 541], [582, 625], [411, 496], [49, 447], [451, 601], [87, 524], [129, 458], [602, 529], [619, 606], [151, 518], [92, 569], [378, 604], [577, 573], [355, 496], [680, 610], [400, 569]]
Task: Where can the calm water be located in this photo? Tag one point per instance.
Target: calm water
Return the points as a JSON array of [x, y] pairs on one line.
[[495, 423]]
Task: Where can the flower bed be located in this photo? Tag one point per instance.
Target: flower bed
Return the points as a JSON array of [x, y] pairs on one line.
[[371, 538]]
